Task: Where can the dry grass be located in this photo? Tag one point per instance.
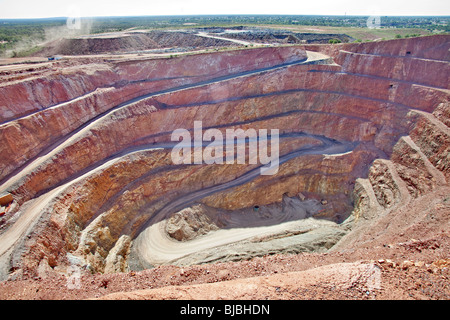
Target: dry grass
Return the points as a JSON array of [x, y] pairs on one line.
[[363, 34]]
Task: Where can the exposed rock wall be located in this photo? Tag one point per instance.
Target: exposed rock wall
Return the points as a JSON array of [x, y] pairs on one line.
[[27, 131], [116, 176], [416, 176], [434, 47]]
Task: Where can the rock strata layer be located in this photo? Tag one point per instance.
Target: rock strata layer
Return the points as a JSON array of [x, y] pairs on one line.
[[86, 148]]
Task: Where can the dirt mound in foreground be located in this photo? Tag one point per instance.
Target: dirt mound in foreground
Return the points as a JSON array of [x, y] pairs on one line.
[[422, 276], [402, 264]]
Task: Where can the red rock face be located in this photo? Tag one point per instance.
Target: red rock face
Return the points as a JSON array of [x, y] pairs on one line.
[[93, 89], [434, 48], [92, 134], [23, 97]]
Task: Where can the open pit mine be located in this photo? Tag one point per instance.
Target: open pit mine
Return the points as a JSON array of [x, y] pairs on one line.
[[87, 179]]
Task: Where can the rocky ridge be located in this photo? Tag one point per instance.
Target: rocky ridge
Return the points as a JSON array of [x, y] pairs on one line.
[[398, 114]]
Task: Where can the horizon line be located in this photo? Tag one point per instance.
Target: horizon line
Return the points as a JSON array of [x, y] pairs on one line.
[[225, 14]]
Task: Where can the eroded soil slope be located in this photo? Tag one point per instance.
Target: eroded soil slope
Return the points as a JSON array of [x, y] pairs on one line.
[[361, 194]]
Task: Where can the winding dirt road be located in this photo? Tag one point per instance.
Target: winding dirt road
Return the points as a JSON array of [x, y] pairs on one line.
[[154, 245], [34, 209], [244, 43]]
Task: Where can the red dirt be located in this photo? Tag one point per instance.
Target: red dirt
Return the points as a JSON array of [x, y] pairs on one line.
[[409, 245], [425, 277]]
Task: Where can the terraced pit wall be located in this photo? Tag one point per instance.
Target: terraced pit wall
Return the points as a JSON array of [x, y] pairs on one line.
[[93, 149]]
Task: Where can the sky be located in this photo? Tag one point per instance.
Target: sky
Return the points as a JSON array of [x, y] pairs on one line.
[[11, 9]]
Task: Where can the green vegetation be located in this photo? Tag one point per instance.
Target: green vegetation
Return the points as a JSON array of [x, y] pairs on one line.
[[29, 32], [26, 52], [106, 24], [334, 41], [25, 32], [399, 36]]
